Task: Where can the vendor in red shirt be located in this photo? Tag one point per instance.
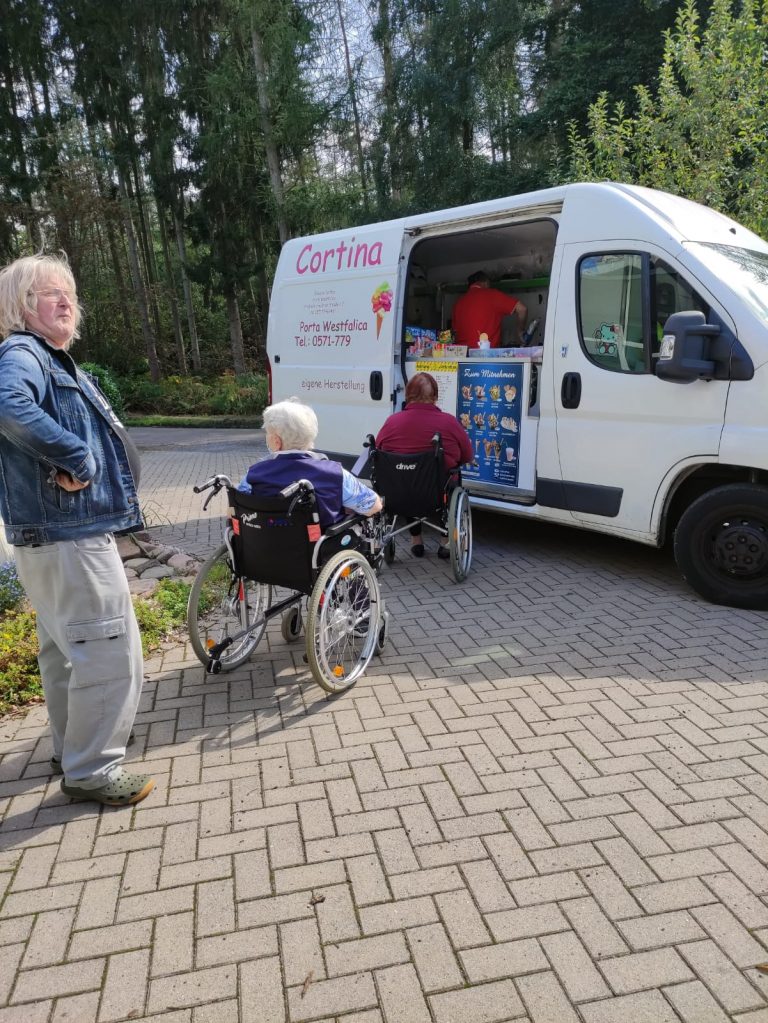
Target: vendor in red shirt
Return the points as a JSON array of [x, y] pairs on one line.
[[480, 311], [411, 431]]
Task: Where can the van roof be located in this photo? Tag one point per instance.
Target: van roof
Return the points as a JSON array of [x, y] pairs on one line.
[[594, 210]]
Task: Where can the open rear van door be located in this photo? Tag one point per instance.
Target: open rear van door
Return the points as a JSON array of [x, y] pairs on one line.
[[334, 314]]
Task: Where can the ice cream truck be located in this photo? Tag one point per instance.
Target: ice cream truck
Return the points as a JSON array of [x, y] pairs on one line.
[[640, 408]]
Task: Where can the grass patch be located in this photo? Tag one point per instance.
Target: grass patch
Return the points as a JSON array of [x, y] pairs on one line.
[[212, 422], [163, 613], [160, 617]]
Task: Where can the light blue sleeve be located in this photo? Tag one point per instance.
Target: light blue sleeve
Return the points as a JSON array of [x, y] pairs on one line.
[[356, 495]]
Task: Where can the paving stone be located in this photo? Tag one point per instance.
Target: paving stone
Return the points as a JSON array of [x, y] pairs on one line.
[[643, 1007], [54, 981], [695, 1004], [545, 999], [125, 986], [502, 822], [261, 991], [573, 967], [660, 929], [485, 1003], [507, 959], [187, 989], [722, 978]]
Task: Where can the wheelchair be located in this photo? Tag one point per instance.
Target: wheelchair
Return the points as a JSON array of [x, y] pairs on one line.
[[418, 488], [276, 543]]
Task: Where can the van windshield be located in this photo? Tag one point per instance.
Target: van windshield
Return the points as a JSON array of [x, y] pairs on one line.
[[745, 270]]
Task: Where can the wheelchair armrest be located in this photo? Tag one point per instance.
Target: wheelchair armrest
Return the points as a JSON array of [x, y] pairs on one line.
[[341, 527]]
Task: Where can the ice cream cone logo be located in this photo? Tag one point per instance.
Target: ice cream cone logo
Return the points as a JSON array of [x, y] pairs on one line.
[[381, 303]]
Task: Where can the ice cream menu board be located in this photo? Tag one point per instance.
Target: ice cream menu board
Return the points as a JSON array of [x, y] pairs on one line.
[[489, 406]]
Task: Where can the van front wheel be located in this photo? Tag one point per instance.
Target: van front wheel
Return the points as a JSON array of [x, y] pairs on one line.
[[721, 545]]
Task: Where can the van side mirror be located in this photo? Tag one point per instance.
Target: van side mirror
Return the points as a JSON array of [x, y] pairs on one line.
[[685, 348]]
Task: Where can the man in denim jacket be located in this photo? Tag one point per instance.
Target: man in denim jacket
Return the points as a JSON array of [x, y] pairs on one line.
[[66, 485]]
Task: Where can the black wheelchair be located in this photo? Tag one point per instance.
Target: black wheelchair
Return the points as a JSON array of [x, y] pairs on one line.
[[272, 543], [418, 488]]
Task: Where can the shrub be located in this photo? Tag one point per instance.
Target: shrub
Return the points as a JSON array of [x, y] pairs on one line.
[[108, 384], [159, 616], [11, 590], [19, 673], [228, 394]]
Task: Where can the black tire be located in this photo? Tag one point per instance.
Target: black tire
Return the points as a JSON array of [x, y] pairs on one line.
[[721, 545], [291, 624], [220, 605], [381, 639], [389, 552], [460, 534]]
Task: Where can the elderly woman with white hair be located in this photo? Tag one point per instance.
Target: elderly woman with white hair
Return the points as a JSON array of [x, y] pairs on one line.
[[291, 428]]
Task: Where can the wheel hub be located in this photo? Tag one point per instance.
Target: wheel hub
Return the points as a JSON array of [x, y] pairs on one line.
[[741, 548]]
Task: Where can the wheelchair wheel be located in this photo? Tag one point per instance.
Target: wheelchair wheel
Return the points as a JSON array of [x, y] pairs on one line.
[[220, 605], [389, 552], [343, 621], [291, 625], [460, 534], [381, 639]]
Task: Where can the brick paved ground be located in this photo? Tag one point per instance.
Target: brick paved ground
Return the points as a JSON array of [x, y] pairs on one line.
[[548, 801]]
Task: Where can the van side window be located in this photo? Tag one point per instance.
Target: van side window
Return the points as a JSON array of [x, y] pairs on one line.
[[670, 293], [611, 311]]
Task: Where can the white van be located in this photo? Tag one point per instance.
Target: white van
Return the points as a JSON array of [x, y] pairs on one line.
[[643, 407]]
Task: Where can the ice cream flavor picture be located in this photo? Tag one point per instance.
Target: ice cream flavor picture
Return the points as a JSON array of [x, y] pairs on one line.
[[381, 303]]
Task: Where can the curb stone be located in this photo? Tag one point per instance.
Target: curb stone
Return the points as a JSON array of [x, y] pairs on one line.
[[147, 562]]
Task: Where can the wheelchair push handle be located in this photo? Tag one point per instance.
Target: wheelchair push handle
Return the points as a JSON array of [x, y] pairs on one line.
[[301, 491], [215, 484], [294, 488]]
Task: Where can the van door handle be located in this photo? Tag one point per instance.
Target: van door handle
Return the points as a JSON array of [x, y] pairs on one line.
[[570, 392], [377, 385]]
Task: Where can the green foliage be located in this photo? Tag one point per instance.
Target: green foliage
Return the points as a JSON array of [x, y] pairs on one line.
[[19, 674], [195, 422], [228, 394], [172, 596], [159, 616], [162, 613], [703, 134], [11, 590], [108, 384]]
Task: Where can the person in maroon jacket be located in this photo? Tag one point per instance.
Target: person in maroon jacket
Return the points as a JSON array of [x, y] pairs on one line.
[[412, 430]]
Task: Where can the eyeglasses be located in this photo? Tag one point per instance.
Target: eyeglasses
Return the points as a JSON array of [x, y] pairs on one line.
[[57, 294]]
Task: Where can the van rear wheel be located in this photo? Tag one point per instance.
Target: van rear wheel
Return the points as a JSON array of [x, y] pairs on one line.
[[721, 545]]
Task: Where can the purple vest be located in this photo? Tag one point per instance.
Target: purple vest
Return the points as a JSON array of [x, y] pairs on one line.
[[269, 477]]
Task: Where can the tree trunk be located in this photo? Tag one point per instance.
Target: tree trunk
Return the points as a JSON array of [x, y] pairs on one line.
[[139, 290], [235, 333], [181, 355], [117, 268], [355, 111], [273, 157], [146, 246], [194, 344]]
